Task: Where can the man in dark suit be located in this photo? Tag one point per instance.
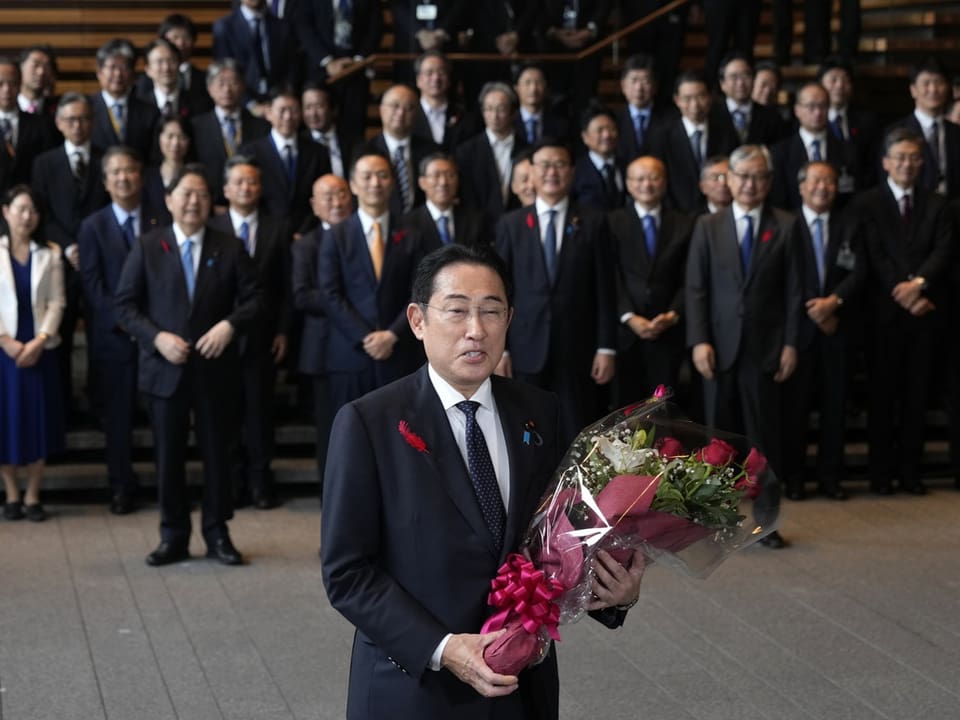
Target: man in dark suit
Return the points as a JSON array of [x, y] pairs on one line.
[[412, 538], [743, 308], [366, 267], [438, 119], [490, 154], [730, 25], [811, 142], [22, 136], [105, 239], [930, 89], [181, 31], [751, 123], [160, 84], [263, 46], [425, 28], [119, 117], [816, 29], [219, 133], [850, 124], [440, 221], [69, 184], [503, 28], [331, 204], [907, 232], [597, 176], [537, 119], [320, 120], [265, 239], [404, 149], [184, 293], [567, 28], [288, 165], [832, 272], [650, 244], [334, 37], [687, 140], [564, 335], [640, 119], [38, 70]]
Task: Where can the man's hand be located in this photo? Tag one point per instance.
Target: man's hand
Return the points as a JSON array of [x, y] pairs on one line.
[[11, 347], [215, 340], [32, 350], [829, 325], [279, 349], [664, 321], [906, 293], [613, 584], [642, 328], [339, 65], [507, 43], [173, 347], [819, 309], [921, 307], [431, 39], [704, 360], [504, 367], [463, 656], [603, 368], [72, 254], [379, 344], [788, 363]]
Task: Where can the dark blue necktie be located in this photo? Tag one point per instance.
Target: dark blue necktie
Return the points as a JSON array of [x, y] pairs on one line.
[[129, 234], [818, 249], [815, 154], [695, 144], [532, 130], [444, 229], [482, 475], [639, 127], [650, 234], [836, 126], [746, 244], [289, 162], [245, 235], [550, 246]]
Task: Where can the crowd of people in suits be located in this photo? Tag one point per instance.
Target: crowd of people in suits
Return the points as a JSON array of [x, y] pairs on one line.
[[216, 227]]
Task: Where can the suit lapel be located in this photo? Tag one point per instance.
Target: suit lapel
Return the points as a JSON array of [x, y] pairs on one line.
[[730, 244], [363, 250], [766, 236], [512, 422]]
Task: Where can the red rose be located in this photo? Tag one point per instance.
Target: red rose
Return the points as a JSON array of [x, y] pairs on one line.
[[670, 447], [766, 236], [398, 236], [755, 463], [717, 453], [531, 223], [750, 485]]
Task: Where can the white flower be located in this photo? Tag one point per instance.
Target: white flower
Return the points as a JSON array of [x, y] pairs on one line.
[[622, 456]]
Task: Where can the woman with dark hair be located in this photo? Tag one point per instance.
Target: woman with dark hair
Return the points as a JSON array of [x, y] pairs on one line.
[[31, 306], [175, 140]]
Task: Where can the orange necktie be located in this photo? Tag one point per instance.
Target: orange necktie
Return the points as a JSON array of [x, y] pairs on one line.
[[376, 250]]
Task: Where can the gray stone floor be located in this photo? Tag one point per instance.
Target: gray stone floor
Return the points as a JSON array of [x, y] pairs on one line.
[[860, 618]]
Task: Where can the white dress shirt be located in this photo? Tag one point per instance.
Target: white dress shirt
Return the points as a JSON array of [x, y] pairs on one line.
[[253, 224], [690, 128], [181, 238], [808, 137], [366, 222], [740, 215], [436, 213], [436, 118], [503, 156]]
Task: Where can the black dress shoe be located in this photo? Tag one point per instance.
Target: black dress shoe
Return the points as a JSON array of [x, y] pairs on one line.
[[167, 553], [35, 512], [13, 511], [774, 541], [122, 504], [265, 501], [223, 550], [797, 493], [834, 493]]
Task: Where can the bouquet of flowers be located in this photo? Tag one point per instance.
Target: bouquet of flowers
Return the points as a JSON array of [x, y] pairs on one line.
[[642, 478]]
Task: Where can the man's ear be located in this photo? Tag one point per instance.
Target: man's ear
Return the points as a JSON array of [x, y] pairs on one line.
[[416, 319]]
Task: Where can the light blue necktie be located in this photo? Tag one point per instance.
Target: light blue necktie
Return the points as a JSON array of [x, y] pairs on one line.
[[650, 234], [815, 151], [532, 130], [746, 244], [245, 236], [444, 229], [187, 259], [550, 246], [818, 249]]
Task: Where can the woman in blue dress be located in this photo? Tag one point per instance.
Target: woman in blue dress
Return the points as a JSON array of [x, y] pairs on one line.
[[31, 306]]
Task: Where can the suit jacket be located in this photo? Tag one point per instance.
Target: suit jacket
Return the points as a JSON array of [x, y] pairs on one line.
[[627, 148], [470, 227], [151, 297], [455, 127], [308, 299], [140, 123], [756, 313], [790, 154], [315, 25], [489, 20], [929, 174], [672, 146], [211, 149], [648, 286], [897, 251], [452, 16], [844, 264], [571, 319], [271, 259], [555, 126], [590, 188], [282, 198], [184, 102], [34, 136], [590, 11], [479, 177], [407, 557], [46, 291], [765, 126], [64, 204], [233, 38], [419, 149], [103, 251], [356, 304]]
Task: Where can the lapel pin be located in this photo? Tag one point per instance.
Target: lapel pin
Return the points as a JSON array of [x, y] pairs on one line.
[[530, 435]]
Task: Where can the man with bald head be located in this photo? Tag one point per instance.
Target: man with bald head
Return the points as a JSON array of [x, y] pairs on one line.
[[650, 243], [331, 204], [398, 108]]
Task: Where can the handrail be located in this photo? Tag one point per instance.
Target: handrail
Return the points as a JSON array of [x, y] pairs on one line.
[[519, 57]]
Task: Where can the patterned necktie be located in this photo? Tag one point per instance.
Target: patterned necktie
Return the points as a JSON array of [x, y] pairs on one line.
[[245, 236], [443, 228], [482, 474], [403, 177], [377, 251], [129, 233], [187, 259], [650, 234], [550, 246], [746, 244], [815, 155], [819, 249], [695, 140]]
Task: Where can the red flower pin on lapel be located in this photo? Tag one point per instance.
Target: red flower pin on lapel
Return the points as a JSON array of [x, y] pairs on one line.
[[398, 236], [531, 222], [766, 236], [413, 440]]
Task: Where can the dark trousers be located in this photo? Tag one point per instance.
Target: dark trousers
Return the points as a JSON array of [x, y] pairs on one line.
[[731, 25], [819, 382], [323, 418], [816, 37], [580, 397], [68, 326], [662, 39], [253, 449], [645, 364], [209, 399], [117, 379], [898, 377]]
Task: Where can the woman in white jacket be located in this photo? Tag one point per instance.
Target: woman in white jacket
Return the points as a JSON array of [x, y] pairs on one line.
[[31, 305]]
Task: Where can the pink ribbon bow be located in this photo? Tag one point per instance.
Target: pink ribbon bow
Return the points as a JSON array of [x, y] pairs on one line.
[[521, 589]]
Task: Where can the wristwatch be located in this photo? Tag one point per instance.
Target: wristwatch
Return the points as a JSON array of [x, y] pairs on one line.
[[629, 605]]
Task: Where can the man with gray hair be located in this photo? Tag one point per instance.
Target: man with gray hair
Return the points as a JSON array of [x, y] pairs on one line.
[[743, 307]]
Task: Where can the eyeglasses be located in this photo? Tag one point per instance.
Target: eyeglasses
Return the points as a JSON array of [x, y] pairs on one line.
[[903, 158], [441, 175], [459, 314], [75, 119], [556, 165], [716, 177], [497, 109], [757, 178]]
